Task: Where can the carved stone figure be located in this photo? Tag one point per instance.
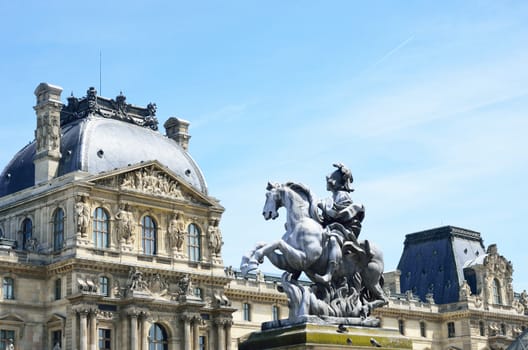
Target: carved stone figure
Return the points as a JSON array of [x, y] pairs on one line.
[[523, 299], [176, 232], [464, 291], [82, 216], [157, 285], [321, 241], [125, 225], [184, 286], [151, 181], [136, 281], [215, 238]]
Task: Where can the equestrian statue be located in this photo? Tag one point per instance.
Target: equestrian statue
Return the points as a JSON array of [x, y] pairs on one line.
[[321, 240]]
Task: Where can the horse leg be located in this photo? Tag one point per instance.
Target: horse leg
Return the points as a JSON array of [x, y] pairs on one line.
[[278, 260], [251, 259], [334, 257]]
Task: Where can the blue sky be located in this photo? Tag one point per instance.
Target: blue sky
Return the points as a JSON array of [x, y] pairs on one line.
[[425, 101]]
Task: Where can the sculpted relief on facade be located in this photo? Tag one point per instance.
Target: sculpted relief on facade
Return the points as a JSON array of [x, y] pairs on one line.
[[151, 181], [176, 232], [125, 225]]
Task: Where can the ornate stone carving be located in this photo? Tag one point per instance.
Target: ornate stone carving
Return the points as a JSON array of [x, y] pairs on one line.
[[87, 284], [116, 289], [523, 300], [151, 181], [125, 225], [33, 245], [158, 286], [136, 281], [221, 300], [229, 271], [215, 237], [82, 216], [176, 232], [321, 241], [184, 288], [108, 108], [464, 291]]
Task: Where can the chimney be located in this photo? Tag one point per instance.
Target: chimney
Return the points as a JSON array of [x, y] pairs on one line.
[[178, 130], [47, 134]]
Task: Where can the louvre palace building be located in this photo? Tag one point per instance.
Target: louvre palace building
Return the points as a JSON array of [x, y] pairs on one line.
[[109, 239]]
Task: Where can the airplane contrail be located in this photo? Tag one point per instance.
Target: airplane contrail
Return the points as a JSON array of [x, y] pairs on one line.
[[394, 50]]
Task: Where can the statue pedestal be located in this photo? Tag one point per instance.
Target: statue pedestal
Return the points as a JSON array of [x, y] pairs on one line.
[[328, 337]]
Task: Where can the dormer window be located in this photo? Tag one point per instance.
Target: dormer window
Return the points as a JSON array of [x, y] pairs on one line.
[[496, 292]]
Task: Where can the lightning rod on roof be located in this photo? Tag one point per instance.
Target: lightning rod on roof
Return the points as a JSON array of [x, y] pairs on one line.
[[100, 70]]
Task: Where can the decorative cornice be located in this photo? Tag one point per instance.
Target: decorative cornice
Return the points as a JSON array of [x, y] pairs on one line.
[[91, 104]]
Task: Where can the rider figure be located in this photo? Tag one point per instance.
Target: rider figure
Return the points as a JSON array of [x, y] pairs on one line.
[[340, 208]]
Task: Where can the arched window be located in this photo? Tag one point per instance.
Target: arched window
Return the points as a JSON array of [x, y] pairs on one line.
[[148, 235], [497, 298], [8, 288], [194, 242], [58, 229], [101, 232], [103, 286], [27, 232], [157, 338]]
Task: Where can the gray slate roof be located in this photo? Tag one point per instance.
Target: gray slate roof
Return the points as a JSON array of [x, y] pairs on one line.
[[433, 261], [95, 144]]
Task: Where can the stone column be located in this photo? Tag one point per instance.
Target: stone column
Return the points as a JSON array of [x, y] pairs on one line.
[[228, 325], [221, 334], [212, 337], [124, 332], [196, 333], [144, 330], [133, 332], [83, 325], [186, 331], [93, 331]]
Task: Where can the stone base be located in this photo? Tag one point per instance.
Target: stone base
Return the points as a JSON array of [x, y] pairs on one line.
[[328, 337]]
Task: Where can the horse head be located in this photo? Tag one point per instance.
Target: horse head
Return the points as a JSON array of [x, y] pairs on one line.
[[273, 201]]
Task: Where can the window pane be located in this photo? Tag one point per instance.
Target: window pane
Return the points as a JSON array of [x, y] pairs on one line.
[[103, 286], [148, 236], [101, 232], [27, 232], [58, 229], [6, 336], [157, 338], [105, 339], [8, 288], [194, 243], [58, 289]]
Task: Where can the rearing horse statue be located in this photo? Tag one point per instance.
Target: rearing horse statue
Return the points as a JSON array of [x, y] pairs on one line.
[[305, 246], [346, 273]]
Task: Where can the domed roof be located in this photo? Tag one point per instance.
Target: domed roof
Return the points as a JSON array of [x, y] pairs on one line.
[[94, 143]]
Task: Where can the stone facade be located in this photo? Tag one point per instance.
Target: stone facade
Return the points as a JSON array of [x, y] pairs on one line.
[[114, 260], [95, 255]]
